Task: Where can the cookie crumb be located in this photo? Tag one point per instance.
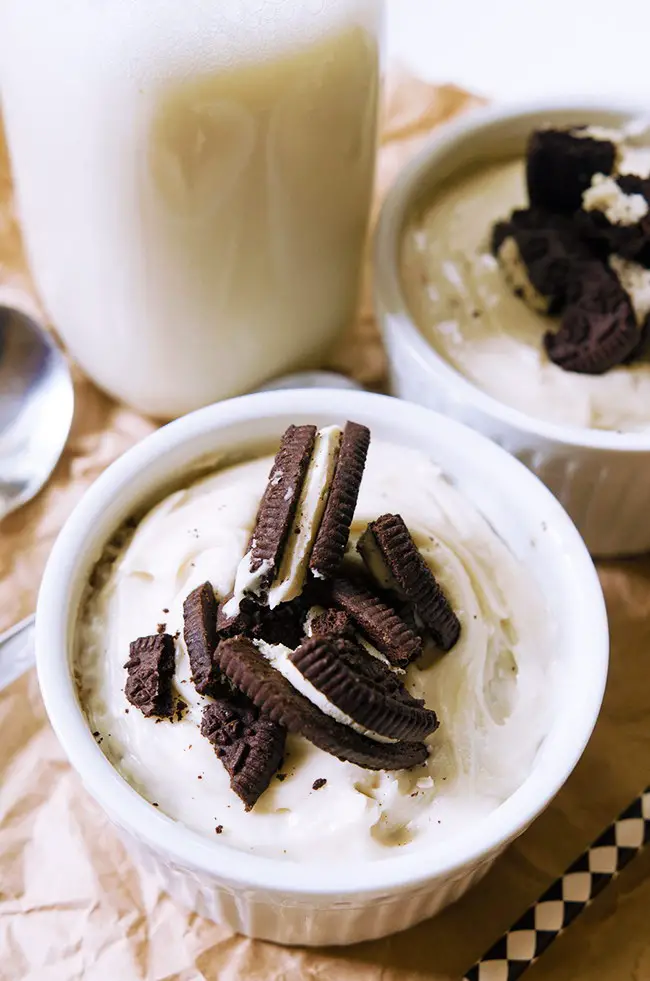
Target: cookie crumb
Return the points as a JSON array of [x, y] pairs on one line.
[[161, 628], [319, 784], [154, 804], [280, 776], [219, 829], [165, 610]]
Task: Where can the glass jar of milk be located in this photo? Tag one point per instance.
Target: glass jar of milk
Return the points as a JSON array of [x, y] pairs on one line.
[[194, 181]]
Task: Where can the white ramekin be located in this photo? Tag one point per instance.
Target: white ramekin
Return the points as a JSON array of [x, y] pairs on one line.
[[327, 904], [601, 478]]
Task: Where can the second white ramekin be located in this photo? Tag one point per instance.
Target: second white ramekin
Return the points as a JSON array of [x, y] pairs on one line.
[[600, 477], [323, 903]]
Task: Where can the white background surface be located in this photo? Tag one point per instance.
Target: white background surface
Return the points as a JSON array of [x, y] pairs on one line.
[[513, 49]]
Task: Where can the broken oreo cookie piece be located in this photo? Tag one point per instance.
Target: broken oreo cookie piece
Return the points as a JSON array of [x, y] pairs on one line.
[[332, 538], [249, 744], [201, 639], [599, 330], [377, 621], [304, 519], [282, 625], [249, 671], [150, 671], [537, 253], [275, 516], [393, 558], [560, 165], [332, 623], [363, 688], [615, 216]]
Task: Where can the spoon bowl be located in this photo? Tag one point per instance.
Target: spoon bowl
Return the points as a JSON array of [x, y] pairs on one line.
[[36, 406]]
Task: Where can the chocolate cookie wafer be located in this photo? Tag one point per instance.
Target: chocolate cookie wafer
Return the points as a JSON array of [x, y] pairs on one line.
[[249, 671], [388, 549], [615, 216], [560, 164], [249, 744], [598, 331], [275, 516], [363, 688], [332, 538], [377, 621], [332, 623], [201, 639], [538, 253], [150, 670]]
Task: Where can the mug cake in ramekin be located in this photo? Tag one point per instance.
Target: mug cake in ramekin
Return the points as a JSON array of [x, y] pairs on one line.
[[320, 663], [513, 289]]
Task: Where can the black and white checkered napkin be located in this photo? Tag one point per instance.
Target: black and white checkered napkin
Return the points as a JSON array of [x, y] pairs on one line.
[[523, 944]]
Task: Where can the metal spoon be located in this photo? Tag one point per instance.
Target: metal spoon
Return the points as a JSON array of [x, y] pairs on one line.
[[36, 405], [55, 400]]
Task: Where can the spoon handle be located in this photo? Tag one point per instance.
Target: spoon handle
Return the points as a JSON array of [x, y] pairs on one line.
[[16, 651]]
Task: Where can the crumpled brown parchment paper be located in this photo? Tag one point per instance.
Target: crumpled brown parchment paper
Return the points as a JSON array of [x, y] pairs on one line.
[[73, 906]]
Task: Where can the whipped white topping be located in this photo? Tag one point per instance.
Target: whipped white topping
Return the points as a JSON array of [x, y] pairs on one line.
[[619, 208], [635, 280], [458, 296], [492, 693]]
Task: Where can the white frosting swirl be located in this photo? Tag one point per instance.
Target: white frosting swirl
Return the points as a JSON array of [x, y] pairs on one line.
[[491, 692]]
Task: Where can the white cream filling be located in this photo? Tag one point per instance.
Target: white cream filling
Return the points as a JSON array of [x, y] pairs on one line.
[[619, 208], [375, 563], [634, 160], [278, 656], [247, 583], [291, 575], [604, 133], [515, 271]]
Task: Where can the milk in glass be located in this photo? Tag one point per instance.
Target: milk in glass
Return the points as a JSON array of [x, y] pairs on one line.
[[194, 182]]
